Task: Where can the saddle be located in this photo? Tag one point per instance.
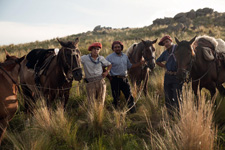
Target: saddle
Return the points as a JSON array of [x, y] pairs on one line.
[[219, 56], [39, 60]]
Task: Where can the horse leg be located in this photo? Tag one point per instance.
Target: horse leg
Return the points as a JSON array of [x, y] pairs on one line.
[[138, 86], [195, 86], [64, 97], [28, 98], [3, 126], [221, 89], [50, 96], [146, 84]]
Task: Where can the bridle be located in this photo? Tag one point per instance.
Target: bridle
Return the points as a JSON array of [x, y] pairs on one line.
[[148, 59], [14, 82], [70, 66], [188, 70]]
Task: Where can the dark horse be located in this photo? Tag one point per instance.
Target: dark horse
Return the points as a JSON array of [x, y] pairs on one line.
[[135, 53], [197, 61], [9, 72], [56, 81]]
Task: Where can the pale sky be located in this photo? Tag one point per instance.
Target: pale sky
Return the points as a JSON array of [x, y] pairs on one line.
[[24, 21]]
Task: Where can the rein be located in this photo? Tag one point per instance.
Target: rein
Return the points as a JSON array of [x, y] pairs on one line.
[[203, 74]]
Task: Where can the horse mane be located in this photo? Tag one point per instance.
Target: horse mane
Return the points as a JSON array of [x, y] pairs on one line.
[[130, 50], [60, 55], [218, 44]]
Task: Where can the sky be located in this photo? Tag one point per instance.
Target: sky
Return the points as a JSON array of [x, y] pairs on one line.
[[23, 21]]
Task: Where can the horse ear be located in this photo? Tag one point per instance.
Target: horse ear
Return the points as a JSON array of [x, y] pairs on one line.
[[76, 41], [21, 59], [177, 41], [153, 42], [143, 42], [6, 53], [192, 40], [61, 42]]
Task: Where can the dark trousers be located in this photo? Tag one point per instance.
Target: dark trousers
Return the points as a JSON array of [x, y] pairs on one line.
[[172, 90], [121, 84]]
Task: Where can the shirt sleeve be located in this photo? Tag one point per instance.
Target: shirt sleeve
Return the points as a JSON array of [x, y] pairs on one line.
[[129, 64], [104, 61], [108, 58], [161, 57], [83, 59]]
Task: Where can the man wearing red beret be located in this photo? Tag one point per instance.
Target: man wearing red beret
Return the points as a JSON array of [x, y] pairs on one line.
[[119, 82], [172, 87], [94, 75]]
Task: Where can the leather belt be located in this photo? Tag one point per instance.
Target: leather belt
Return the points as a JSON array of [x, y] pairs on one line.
[[93, 79], [122, 77]]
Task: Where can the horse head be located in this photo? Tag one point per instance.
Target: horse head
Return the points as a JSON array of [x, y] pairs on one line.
[[12, 61], [149, 53], [185, 56], [12, 65], [70, 60]]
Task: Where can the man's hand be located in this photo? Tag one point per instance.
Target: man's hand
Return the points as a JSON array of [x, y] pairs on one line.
[[142, 62], [104, 74]]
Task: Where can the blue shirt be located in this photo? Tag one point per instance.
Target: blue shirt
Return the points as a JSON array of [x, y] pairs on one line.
[[171, 64], [120, 64]]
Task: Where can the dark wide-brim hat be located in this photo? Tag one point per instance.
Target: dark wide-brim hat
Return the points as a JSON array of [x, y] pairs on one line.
[[96, 44], [167, 37], [117, 42]]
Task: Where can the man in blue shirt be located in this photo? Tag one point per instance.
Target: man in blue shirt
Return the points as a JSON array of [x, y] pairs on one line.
[[119, 82], [172, 87]]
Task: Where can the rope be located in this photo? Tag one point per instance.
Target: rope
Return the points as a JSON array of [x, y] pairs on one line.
[[40, 87], [203, 74], [139, 95]]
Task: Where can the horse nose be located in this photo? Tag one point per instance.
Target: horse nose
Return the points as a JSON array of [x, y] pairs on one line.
[[77, 75], [152, 66]]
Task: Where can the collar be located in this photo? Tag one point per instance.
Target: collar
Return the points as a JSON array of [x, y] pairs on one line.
[[94, 61], [118, 55]]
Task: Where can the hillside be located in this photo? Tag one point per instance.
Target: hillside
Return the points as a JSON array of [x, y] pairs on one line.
[[84, 125], [188, 24]]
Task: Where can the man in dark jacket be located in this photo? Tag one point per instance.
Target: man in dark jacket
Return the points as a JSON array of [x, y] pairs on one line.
[[172, 87]]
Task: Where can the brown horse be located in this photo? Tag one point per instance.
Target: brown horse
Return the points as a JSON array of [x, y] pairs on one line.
[[56, 82], [135, 53], [199, 62], [9, 71]]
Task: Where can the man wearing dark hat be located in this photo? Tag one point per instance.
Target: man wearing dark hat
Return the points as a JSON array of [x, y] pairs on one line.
[[172, 87], [119, 82], [94, 75]]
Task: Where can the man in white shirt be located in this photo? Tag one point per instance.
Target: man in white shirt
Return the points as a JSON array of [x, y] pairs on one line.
[[94, 76]]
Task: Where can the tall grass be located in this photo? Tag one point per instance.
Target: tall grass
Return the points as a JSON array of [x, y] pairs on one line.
[[46, 129], [192, 129]]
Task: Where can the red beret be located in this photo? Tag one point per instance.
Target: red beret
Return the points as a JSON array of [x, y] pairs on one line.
[[167, 37], [96, 44], [117, 42]]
